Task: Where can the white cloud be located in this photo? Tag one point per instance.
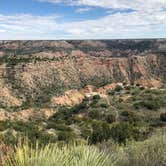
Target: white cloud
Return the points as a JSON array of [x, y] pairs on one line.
[[138, 24], [118, 4], [2, 31], [128, 25], [83, 10], [22, 26]]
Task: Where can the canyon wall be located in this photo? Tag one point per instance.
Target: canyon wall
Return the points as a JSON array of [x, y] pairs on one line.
[[33, 72]]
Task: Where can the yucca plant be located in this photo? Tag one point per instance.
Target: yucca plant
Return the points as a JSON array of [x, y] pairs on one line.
[[52, 155]]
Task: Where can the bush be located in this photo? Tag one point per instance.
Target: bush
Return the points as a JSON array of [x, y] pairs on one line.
[[163, 117], [104, 105], [77, 108], [149, 104], [65, 113], [59, 126], [95, 114], [141, 88], [96, 97], [128, 87], [124, 83], [4, 125], [131, 117], [121, 132], [110, 118], [101, 132], [66, 136], [86, 132], [118, 88], [150, 99], [111, 92], [94, 104], [135, 91]]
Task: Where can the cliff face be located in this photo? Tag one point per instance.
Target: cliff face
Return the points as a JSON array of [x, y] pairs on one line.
[[33, 72]]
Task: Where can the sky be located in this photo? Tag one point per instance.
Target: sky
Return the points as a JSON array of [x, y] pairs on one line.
[[82, 19]]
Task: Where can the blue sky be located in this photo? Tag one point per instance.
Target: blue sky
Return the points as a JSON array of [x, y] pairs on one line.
[[82, 19]]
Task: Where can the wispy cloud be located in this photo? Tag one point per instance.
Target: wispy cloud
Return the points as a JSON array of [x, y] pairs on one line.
[[146, 19], [118, 4], [119, 25], [83, 10], [135, 24], [2, 30], [22, 26]]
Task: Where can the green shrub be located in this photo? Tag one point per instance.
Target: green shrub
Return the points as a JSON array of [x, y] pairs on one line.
[[94, 104], [141, 88], [150, 99], [148, 104], [101, 132], [86, 132], [131, 117], [122, 131], [135, 91], [104, 105], [111, 92], [120, 100], [58, 126], [128, 87], [46, 138], [66, 136], [95, 114], [4, 125], [65, 113], [138, 84], [124, 83], [96, 97], [8, 138], [110, 118], [118, 88], [163, 117], [76, 119]]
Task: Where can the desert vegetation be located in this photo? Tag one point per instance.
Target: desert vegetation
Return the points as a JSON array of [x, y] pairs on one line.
[[97, 132], [133, 114], [78, 103], [148, 152]]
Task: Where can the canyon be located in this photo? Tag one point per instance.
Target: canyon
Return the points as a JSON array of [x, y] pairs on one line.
[[46, 74]]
